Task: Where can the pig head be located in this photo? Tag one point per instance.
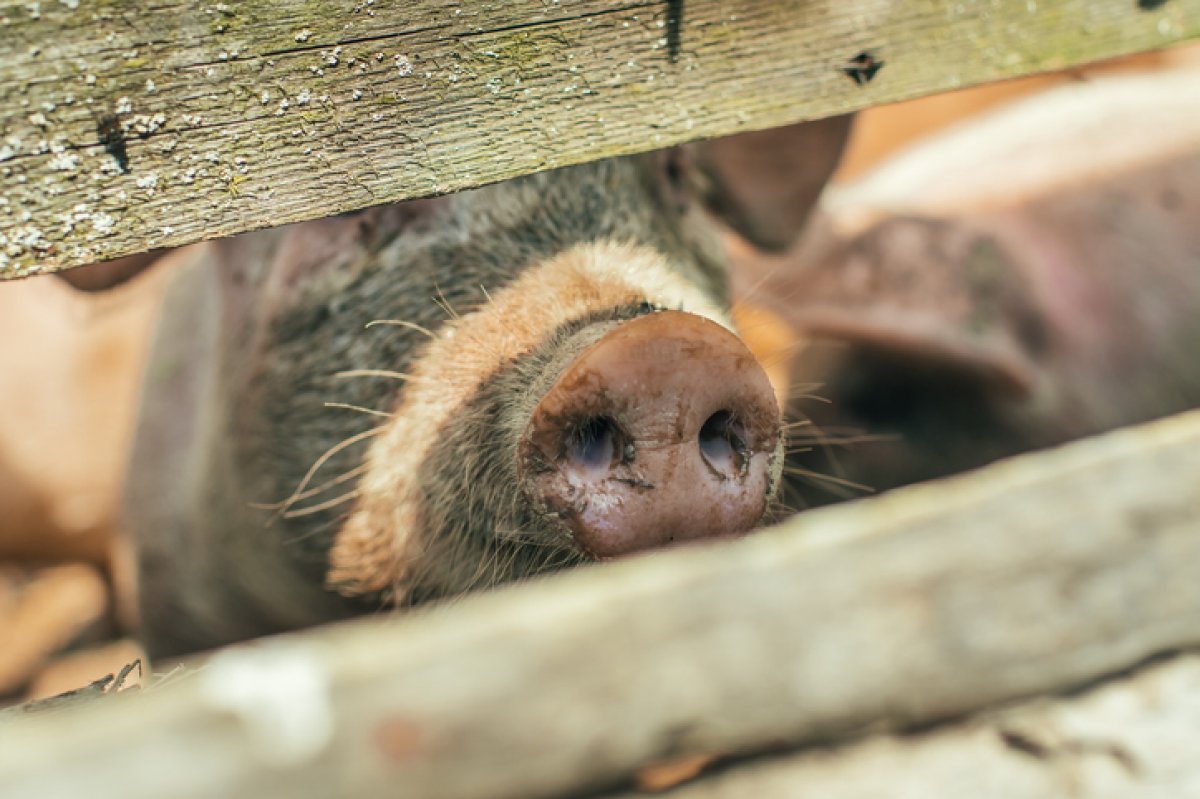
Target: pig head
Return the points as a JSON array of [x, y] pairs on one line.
[[388, 407], [1023, 280]]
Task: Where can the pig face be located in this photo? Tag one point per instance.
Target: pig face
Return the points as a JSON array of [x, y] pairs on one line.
[[1014, 283], [424, 399]]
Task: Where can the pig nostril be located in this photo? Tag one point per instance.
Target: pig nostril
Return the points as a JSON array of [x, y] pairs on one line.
[[664, 429], [723, 444], [593, 445]]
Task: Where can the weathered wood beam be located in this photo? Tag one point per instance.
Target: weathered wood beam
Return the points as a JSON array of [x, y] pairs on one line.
[[1134, 737], [1034, 575], [126, 126]]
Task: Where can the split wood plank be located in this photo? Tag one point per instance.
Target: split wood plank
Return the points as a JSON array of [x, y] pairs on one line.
[[1133, 737]]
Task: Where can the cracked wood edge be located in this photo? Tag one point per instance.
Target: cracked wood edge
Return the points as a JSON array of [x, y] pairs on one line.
[[1034, 575], [128, 126], [1133, 737]]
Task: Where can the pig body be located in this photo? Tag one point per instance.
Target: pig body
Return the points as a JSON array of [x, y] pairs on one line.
[[389, 407]]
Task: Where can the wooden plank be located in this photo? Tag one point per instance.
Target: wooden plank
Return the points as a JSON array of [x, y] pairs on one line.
[[1034, 575], [1135, 737], [133, 125]]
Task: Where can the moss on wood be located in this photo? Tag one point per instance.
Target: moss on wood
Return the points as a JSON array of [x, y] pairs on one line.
[[128, 126]]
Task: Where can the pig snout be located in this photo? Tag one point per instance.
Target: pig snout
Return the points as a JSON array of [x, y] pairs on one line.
[[665, 429]]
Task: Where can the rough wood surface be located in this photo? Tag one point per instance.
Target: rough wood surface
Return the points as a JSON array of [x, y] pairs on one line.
[[1136, 737], [1034, 575], [131, 125]]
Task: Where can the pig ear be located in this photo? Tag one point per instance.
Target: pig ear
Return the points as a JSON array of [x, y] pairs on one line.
[[927, 291], [765, 184], [320, 256], [108, 274]]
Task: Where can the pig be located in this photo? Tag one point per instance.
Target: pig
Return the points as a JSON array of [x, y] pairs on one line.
[[1019, 281], [407, 403], [61, 458]]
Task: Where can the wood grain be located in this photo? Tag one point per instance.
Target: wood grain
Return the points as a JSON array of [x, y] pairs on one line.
[[1133, 737], [1035, 575], [126, 126]]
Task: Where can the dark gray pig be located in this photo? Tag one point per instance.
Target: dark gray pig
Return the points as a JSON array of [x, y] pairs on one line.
[[389, 407], [1023, 280]]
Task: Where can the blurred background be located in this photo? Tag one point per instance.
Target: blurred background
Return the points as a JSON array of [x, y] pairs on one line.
[[69, 377]]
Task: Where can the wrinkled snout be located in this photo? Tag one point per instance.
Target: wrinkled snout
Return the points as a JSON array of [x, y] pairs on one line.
[[666, 429]]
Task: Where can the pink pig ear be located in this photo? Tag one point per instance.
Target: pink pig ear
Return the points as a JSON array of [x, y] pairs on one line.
[[765, 184], [108, 274], [931, 292]]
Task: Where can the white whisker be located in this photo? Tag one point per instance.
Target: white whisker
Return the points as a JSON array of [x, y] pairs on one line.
[[373, 373], [312, 492], [321, 461], [401, 323], [359, 408], [441, 301], [311, 509]]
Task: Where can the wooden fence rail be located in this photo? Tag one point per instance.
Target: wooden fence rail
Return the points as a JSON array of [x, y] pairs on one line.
[[1035, 575], [126, 126]]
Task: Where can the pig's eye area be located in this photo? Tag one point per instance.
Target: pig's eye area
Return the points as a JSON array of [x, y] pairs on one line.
[[723, 444], [592, 445]]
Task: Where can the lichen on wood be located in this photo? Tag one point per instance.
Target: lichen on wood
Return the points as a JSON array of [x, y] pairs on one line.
[[126, 126]]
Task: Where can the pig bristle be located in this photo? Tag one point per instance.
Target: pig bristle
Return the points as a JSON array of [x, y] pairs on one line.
[[441, 302], [295, 513], [828, 481], [400, 323], [804, 435], [779, 508], [373, 373], [325, 456], [834, 436], [360, 409], [804, 391], [345, 476]]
